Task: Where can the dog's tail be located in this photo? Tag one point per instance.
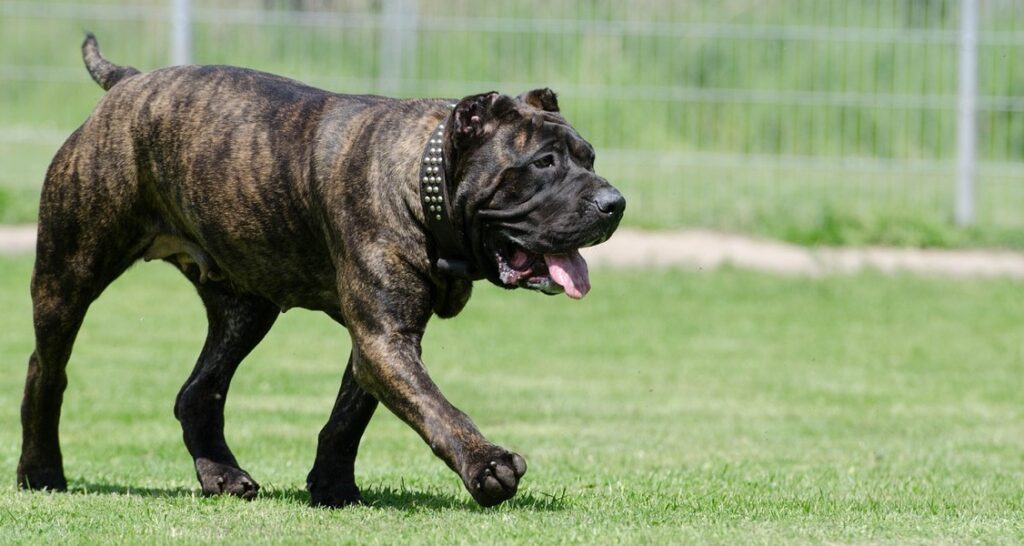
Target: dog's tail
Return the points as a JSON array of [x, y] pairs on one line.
[[106, 73]]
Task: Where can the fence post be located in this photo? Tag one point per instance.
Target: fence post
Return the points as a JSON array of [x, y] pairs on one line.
[[397, 45], [966, 127], [181, 32]]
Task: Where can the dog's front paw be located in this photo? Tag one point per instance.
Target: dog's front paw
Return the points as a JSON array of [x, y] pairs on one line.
[[222, 479], [493, 475]]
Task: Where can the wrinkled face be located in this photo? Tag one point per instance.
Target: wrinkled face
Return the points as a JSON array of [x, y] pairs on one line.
[[530, 193]]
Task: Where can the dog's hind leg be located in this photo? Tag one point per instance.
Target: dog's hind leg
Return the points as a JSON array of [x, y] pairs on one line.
[[61, 294], [331, 482], [77, 256], [237, 323]]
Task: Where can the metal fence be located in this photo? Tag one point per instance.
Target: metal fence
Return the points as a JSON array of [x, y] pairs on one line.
[[776, 115]]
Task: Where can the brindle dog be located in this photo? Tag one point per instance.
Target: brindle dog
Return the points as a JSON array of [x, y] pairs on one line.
[[269, 194]]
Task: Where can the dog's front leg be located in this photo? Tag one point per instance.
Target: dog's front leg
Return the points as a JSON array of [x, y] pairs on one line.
[[390, 368]]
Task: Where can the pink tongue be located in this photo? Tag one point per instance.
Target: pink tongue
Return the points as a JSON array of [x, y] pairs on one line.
[[570, 272]]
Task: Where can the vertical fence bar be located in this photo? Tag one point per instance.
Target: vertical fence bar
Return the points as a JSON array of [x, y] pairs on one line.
[[396, 48], [181, 32], [410, 35], [967, 131]]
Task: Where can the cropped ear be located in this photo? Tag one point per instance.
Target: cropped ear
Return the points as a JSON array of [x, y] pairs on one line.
[[545, 99], [476, 117]]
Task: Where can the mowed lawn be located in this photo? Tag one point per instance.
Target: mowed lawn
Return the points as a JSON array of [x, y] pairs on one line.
[[666, 407]]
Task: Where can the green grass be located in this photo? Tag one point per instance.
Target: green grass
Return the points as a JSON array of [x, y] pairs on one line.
[[812, 206], [22, 178], [667, 407]]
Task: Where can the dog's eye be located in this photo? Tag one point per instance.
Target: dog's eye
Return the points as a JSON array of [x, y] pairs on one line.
[[544, 162]]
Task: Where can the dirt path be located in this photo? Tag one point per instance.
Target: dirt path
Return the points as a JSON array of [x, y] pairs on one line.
[[17, 239], [708, 250]]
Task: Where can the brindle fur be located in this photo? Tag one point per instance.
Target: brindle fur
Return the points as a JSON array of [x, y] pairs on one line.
[[269, 194]]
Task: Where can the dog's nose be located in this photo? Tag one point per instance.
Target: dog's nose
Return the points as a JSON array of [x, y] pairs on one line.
[[610, 201]]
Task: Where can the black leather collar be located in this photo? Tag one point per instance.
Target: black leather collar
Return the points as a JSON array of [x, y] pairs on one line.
[[451, 255]]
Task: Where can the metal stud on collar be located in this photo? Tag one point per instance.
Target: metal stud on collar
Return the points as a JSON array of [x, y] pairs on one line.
[[433, 172]]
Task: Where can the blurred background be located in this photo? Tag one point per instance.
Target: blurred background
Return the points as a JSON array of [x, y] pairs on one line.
[[814, 121]]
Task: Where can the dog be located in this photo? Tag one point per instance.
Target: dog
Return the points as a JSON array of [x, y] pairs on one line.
[[268, 194]]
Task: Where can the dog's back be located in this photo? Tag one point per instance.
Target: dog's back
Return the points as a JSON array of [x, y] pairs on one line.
[[224, 162]]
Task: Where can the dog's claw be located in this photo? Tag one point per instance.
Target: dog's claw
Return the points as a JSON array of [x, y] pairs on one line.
[[506, 476], [519, 464]]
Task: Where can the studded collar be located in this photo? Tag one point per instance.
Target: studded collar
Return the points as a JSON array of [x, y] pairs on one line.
[[437, 212]]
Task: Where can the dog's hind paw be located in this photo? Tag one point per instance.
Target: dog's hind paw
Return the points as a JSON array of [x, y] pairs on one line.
[[222, 479]]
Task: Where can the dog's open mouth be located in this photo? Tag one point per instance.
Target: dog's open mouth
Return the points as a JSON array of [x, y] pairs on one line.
[[549, 273]]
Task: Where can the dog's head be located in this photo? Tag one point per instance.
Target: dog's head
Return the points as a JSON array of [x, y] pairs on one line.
[[527, 193]]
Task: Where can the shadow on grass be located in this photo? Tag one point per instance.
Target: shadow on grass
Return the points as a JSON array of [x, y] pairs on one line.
[[89, 488], [373, 497], [406, 499], [392, 498]]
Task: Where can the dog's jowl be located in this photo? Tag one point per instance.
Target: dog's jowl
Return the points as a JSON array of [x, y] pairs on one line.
[[268, 194]]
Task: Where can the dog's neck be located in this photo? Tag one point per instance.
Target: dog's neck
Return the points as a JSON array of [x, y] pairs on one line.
[[452, 258]]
